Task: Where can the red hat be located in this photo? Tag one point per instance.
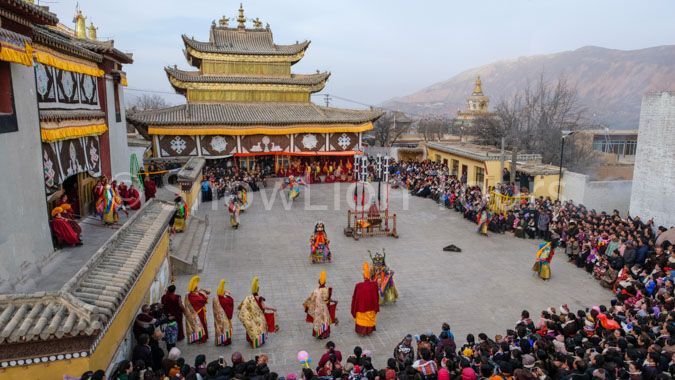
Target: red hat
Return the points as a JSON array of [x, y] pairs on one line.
[[357, 369]]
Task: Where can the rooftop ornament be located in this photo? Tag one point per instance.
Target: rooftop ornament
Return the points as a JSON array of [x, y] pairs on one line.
[[241, 19], [224, 22], [257, 23]]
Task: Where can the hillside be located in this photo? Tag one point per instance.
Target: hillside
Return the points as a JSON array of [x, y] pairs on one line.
[[610, 83]]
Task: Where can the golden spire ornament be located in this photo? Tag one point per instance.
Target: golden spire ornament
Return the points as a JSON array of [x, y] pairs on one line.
[[241, 19]]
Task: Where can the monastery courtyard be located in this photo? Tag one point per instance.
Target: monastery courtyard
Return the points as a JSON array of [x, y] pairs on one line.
[[434, 286]]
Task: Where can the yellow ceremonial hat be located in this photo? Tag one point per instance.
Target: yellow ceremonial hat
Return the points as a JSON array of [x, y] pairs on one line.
[[66, 206], [322, 278], [56, 210], [221, 288], [254, 285], [192, 286], [366, 270]]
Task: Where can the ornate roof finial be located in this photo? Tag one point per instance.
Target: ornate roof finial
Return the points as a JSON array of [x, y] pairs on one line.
[[80, 26], [224, 21], [257, 23], [92, 31], [241, 19], [478, 90]]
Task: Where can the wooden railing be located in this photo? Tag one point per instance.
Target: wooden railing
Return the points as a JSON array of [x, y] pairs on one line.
[[359, 224], [501, 204]]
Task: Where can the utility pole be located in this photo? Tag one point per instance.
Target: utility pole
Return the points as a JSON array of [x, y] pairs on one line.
[[327, 99], [501, 173]]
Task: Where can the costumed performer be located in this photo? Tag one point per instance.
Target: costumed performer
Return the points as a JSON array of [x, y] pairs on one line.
[[384, 277], [483, 222], [542, 264], [108, 204], [223, 307], [293, 184], [63, 230], [180, 215], [365, 304], [319, 250], [252, 315], [195, 312], [320, 309], [69, 215], [234, 208]]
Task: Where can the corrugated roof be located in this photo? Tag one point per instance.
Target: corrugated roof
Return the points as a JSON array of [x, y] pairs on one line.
[[246, 41], [87, 303], [294, 79], [32, 10], [250, 114], [61, 41]]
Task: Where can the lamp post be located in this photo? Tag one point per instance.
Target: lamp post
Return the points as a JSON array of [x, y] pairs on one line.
[[565, 133]]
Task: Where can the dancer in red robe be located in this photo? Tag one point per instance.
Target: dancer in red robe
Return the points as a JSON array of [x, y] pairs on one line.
[[61, 227], [195, 312], [172, 304], [365, 303]]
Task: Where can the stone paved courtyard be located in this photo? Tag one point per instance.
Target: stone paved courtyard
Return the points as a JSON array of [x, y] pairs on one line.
[[482, 289]]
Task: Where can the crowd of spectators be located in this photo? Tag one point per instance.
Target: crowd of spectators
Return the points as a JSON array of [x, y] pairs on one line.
[[632, 337], [221, 178]]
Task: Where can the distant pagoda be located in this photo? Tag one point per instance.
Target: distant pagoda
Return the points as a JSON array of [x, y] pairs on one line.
[[245, 101], [476, 106]]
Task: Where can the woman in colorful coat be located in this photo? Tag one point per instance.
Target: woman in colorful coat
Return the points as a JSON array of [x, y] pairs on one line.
[[223, 307]]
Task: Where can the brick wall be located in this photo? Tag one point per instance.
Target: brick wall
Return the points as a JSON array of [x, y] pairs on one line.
[[653, 193]]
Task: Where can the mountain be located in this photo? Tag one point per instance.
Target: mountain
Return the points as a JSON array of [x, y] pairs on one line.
[[610, 83]]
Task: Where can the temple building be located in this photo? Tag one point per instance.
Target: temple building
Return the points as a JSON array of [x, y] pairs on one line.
[[243, 101], [66, 311], [476, 107]]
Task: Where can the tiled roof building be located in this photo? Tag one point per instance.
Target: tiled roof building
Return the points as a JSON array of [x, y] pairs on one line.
[[243, 100]]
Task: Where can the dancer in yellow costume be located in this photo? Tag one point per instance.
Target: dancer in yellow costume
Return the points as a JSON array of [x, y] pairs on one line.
[[543, 263], [252, 315], [223, 307]]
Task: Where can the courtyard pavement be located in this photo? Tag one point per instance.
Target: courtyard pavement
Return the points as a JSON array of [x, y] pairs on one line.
[[484, 288]]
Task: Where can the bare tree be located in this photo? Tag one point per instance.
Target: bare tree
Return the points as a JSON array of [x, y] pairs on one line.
[[387, 130], [533, 121], [149, 102], [433, 127]]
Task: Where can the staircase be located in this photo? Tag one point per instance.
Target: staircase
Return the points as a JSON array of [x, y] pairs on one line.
[[188, 249]]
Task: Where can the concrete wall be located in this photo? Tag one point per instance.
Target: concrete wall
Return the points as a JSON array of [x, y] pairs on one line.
[[117, 132], [599, 195], [25, 238], [653, 194]]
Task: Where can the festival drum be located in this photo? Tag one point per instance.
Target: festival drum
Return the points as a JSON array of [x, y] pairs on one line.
[[331, 310]]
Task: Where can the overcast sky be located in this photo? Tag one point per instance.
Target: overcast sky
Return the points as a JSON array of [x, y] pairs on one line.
[[380, 49]]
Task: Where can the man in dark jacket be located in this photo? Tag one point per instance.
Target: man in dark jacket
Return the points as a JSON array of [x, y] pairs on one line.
[[630, 254], [156, 351], [446, 342], [142, 351]]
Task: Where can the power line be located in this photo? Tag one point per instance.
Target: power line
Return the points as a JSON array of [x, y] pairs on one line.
[[368, 105]]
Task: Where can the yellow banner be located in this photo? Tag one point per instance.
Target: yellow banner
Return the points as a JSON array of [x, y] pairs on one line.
[[51, 135], [20, 52], [60, 63]]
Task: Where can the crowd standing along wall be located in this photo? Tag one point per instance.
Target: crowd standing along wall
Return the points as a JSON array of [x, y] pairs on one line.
[[599, 195], [653, 192]]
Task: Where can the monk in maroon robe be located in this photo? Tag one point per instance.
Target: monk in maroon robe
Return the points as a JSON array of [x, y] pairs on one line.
[[365, 303], [133, 198], [173, 305], [150, 189], [63, 230]]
